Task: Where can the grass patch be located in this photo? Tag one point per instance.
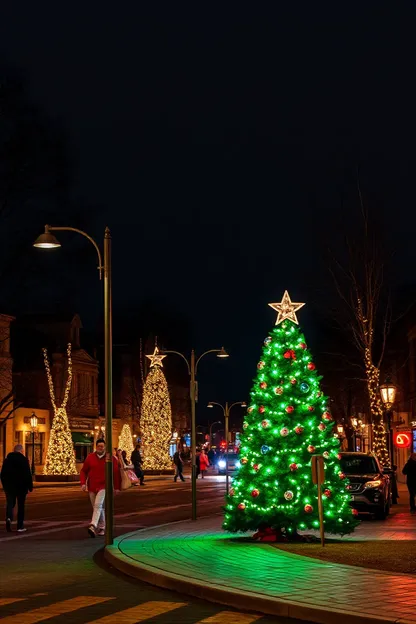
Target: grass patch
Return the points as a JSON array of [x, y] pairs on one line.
[[391, 556]]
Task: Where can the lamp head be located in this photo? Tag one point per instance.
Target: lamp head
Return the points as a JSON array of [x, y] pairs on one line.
[[210, 404], [46, 240], [243, 404], [222, 353], [33, 421], [388, 394]]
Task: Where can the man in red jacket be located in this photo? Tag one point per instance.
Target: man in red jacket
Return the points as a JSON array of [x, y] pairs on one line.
[[92, 477]]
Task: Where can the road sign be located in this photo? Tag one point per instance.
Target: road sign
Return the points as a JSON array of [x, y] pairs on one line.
[[402, 439]]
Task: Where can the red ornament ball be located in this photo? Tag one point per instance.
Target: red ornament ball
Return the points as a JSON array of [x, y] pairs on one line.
[[232, 491], [311, 366], [262, 409], [287, 354], [284, 432], [250, 409], [354, 512], [288, 495], [319, 394], [341, 475], [263, 385], [256, 467], [293, 381], [293, 467], [311, 448], [302, 345], [243, 460], [311, 408], [255, 493], [278, 390], [321, 427], [261, 365], [308, 509], [325, 454], [241, 506], [299, 430], [327, 416], [245, 425], [339, 456], [290, 409], [327, 493], [265, 423]]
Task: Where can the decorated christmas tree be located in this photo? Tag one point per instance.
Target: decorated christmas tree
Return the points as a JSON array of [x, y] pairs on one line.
[[60, 457], [156, 417], [287, 423], [125, 441]]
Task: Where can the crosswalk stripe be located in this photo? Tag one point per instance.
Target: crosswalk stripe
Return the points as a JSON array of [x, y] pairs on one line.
[[230, 617], [53, 610], [6, 601], [141, 612]]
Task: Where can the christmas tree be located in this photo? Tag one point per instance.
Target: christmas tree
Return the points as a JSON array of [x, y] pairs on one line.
[[125, 441], [60, 457], [156, 417], [287, 422]]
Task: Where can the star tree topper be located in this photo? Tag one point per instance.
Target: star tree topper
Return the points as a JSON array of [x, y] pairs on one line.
[[286, 309], [156, 358]]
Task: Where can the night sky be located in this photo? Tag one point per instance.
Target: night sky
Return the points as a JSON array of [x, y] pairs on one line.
[[222, 145]]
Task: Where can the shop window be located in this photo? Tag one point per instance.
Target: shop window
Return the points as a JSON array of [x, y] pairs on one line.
[[81, 452], [18, 437], [39, 446]]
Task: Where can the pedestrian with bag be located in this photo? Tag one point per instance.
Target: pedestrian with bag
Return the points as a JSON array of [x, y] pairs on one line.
[[16, 478], [137, 461], [125, 480], [92, 477]]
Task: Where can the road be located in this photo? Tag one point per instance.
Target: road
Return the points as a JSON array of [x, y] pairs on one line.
[[55, 571]]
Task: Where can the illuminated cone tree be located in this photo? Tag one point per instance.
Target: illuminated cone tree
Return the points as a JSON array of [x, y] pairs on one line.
[[156, 417], [125, 441], [287, 422], [60, 457]]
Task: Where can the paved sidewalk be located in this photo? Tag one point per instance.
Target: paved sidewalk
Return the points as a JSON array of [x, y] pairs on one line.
[[201, 560]]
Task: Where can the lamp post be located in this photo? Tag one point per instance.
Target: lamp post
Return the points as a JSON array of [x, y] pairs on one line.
[[192, 370], [33, 426], [388, 393], [217, 422], [226, 411], [48, 241]]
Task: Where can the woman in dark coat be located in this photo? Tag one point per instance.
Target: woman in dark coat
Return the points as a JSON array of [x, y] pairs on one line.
[[410, 471]]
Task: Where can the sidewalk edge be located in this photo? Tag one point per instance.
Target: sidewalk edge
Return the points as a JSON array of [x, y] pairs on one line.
[[233, 598]]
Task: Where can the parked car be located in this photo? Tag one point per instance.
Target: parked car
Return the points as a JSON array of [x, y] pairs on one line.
[[369, 485], [233, 463]]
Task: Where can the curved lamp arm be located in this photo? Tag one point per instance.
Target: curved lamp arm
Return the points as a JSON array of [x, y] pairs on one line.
[[236, 403], [181, 355], [71, 229], [219, 405], [206, 353]]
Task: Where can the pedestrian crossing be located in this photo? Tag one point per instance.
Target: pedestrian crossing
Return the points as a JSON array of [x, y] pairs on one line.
[[81, 609]]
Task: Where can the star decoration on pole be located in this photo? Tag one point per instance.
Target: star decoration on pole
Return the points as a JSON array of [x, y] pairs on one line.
[[286, 309], [156, 358]]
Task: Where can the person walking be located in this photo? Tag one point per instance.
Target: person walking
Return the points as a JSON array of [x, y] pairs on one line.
[[409, 470], [92, 477], [123, 465], [177, 460], [203, 462], [16, 478], [137, 461]]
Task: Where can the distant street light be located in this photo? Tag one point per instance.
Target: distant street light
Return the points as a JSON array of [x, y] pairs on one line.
[[226, 410], [33, 426], [49, 241], [192, 370]]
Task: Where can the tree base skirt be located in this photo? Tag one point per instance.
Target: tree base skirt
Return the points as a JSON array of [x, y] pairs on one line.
[[166, 471], [56, 478]]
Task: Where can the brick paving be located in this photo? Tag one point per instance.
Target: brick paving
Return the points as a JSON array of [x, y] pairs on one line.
[[202, 552]]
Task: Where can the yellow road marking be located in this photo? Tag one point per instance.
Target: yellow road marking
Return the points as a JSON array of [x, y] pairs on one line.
[[139, 613], [6, 601], [53, 610], [230, 617]]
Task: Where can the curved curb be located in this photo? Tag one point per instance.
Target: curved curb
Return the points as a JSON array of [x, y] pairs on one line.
[[237, 599]]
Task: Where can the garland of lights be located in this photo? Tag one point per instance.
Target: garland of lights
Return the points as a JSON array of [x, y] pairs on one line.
[[60, 458], [156, 418]]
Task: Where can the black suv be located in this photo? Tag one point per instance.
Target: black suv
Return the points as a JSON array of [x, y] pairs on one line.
[[369, 486]]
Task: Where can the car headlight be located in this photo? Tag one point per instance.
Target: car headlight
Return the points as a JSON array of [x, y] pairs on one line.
[[373, 484], [222, 464]]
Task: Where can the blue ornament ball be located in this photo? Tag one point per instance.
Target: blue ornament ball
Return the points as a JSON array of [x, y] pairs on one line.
[[265, 449], [304, 387]]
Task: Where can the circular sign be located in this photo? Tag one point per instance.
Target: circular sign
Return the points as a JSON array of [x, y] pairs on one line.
[[402, 439]]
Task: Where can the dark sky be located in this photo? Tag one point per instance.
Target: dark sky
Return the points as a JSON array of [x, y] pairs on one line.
[[221, 145]]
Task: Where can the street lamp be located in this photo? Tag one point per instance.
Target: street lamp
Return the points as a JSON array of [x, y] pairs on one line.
[[49, 241], [388, 393], [33, 426], [226, 411], [217, 422], [192, 370]]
